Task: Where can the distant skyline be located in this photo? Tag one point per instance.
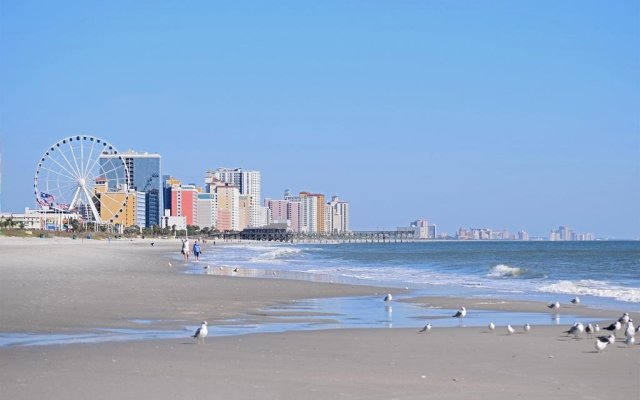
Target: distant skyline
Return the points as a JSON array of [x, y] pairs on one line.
[[498, 114]]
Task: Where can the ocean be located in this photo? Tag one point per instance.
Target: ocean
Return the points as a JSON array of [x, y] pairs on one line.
[[605, 274]]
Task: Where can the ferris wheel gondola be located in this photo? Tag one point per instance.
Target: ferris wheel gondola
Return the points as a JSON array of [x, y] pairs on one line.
[[83, 174]]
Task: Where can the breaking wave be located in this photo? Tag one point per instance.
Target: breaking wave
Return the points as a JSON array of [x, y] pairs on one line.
[[275, 254], [589, 287], [505, 271]]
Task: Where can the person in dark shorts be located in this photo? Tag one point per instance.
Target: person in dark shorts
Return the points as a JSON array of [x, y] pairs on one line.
[[197, 250]]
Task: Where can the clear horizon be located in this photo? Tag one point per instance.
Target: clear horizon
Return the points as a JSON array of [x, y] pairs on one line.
[[504, 115]]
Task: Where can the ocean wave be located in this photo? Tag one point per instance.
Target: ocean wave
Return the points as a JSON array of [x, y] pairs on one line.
[[274, 254], [589, 287], [505, 271]]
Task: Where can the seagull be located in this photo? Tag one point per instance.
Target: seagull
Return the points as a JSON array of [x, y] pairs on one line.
[[202, 332], [554, 306], [426, 328], [170, 264], [575, 300], [610, 339], [630, 340], [600, 345], [576, 329], [629, 331], [596, 328], [492, 326], [613, 327], [510, 329], [462, 312], [527, 328], [235, 269], [388, 297], [624, 319], [589, 330], [207, 267]]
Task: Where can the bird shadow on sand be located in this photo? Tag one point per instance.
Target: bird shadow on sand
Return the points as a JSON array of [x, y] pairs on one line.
[[567, 339]]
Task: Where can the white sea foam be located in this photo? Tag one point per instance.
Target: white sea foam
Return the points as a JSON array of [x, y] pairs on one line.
[[505, 271], [589, 287], [274, 254]]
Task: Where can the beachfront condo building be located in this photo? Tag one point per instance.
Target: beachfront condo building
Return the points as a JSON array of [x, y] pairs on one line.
[[228, 218], [184, 203], [314, 200], [244, 211], [309, 214], [131, 214], [144, 176], [207, 210], [248, 183], [338, 215], [293, 215], [278, 211], [168, 182]]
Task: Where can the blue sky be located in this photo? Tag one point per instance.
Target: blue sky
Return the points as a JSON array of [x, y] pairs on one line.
[[501, 114]]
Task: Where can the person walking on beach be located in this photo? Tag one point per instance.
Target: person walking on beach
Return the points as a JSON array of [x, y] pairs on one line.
[[185, 249], [197, 250]]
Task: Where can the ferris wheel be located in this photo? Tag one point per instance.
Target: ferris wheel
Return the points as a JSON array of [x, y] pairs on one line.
[[85, 175]]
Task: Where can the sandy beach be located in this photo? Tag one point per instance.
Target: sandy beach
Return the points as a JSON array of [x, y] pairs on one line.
[[58, 286]]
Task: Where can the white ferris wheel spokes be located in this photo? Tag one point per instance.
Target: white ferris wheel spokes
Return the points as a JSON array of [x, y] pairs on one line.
[[83, 174]]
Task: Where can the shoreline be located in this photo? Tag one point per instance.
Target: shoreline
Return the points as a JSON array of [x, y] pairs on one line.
[[179, 286], [62, 287]]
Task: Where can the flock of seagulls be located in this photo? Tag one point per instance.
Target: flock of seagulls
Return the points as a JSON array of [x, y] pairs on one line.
[[604, 340], [576, 330]]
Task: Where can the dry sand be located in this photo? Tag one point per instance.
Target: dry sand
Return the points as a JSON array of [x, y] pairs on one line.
[[71, 286]]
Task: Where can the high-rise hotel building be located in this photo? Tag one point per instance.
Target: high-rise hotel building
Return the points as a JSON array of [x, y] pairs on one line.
[[308, 213], [144, 176], [184, 203], [248, 183]]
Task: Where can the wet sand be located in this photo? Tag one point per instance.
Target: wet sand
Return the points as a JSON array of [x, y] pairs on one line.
[[70, 286]]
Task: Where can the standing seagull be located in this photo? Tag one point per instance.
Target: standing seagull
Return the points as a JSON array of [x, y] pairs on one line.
[[624, 319], [576, 329], [600, 345], [610, 339], [510, 329], [492, 326], [462, 312], [527, 328], [202, 332], [426, 328], [589, 330], [388, 297], [616, 326], [596, 328], [629, 331], [630, 340], [575, 300], [554, 306]]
